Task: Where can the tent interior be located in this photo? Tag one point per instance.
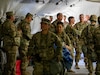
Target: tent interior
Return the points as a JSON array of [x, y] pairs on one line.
[[45, 8]]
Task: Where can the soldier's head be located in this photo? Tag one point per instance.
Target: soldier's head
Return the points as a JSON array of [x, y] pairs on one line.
[[60, 27], [29, 17], [71, 19], [81, 17], [99, 20], [59, 16], [10, 15], [51, 18], [45, 24], [93, 19]]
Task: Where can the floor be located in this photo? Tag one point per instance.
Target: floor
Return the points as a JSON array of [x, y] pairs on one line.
[[81, 71]]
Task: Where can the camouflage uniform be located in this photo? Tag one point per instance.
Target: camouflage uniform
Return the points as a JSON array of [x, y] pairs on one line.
[[46, 51], [11, 41], [88, 36], [78, 28], [71, 33], [65, 39], [97, 47], [26, 35]]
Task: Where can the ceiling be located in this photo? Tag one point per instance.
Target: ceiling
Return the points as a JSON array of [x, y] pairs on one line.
[[94, 0]]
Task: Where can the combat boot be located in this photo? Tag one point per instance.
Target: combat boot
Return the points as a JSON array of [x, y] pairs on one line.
[[25, 73], [86, 65], [76, 66], [90, 74]]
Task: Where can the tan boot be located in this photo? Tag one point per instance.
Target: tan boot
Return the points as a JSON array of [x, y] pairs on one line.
[[71, 71], [90, 74], [76, 66], [86, 66]]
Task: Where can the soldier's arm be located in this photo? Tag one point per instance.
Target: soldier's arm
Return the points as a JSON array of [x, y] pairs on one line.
[[31, 46], [68, 43], [27, 31], [84, 35], [12, 30], [58, 52]]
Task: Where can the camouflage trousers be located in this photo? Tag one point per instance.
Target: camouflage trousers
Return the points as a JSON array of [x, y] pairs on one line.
[[11, 60], [48, 68], [97, 72], [84, 50], [24, 60], [78, 52], [90, 63]]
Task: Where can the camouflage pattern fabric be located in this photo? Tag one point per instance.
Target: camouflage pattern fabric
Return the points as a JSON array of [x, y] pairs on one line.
[[79, 28], [45, 55], [24, 28], [11, 41], [97, 48], [88, 36]]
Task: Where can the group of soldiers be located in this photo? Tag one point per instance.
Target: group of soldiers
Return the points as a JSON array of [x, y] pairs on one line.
[[46, 46], [15, 38]]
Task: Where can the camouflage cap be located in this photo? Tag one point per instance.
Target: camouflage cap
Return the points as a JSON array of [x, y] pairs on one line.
[[44, 20], [93, 18], [10, 13], [29, 15]]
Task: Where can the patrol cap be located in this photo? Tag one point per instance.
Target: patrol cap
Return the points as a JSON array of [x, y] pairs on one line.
[[44, 20], [10, 13], [93, 18], [29, 15]]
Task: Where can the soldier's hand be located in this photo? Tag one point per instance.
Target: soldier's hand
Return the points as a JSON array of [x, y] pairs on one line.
[[59, 58]]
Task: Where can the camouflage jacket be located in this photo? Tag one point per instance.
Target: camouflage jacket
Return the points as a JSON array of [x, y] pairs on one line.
[[64, 38], [96, 38], [10, 34], [87, 36], [25, 29], [79, 27], [71, 33], [47, 47]]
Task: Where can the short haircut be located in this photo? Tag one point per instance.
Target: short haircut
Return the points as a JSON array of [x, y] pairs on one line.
[[58, 14], [70, 18], [61, 23]]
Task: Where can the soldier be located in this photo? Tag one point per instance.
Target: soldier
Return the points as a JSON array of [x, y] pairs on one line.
[[65, 42], [70, 30], [88, 38], [59, 19], [79, 28], [65, 22], [46, 48], [11, 41], [25, 29], [97, 46]]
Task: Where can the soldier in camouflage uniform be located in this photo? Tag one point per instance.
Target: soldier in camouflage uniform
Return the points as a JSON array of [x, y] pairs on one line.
[[97, 46], [46, 49], [11, 41], [70, 30], [66, 42], [59, 19], [79, 28], [88, 38], [25, 29]]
